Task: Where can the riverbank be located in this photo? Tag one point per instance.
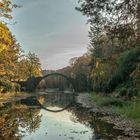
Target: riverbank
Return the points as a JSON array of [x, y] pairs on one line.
[[103, 108], [111, 114]]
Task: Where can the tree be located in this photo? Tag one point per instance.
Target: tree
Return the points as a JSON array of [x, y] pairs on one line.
[[9, 57], [33, 65], [14, 66], [114, 29], [80, 72], [6, 7], [114, 15], [9, 52], [9, 48], [128, 68]]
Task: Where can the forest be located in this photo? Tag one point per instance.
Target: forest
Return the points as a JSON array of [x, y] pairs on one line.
[[112, 62], [109, 68]]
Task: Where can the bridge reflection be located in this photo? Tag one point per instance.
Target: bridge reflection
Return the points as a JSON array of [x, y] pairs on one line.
[[59, 99]]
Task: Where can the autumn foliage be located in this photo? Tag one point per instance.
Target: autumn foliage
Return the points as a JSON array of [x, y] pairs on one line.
[[14, 64]]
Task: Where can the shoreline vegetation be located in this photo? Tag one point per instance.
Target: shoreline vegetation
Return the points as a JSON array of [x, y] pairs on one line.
[[124, 116], [129, 110]]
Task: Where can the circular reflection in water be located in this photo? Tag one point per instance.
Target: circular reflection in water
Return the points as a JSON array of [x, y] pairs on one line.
[[55, 92]]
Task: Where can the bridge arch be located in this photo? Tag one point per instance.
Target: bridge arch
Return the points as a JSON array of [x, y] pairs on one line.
[[69, 79]]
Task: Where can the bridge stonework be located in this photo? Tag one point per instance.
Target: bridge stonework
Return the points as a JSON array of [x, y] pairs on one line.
[[32, 82]]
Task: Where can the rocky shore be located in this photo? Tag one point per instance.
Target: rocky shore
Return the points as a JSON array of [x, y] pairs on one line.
[[130, 131]]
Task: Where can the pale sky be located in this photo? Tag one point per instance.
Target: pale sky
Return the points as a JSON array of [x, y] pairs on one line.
[[52, 29]]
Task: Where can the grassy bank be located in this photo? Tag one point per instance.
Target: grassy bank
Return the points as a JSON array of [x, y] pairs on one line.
[[127, 109]]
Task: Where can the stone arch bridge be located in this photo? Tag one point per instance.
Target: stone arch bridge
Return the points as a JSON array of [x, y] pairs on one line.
[[32, 82]]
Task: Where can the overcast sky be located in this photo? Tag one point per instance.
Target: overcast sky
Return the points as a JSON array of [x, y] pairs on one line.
[[52, 29]]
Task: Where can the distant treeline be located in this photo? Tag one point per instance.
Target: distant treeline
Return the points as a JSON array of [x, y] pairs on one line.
[[78, 72]]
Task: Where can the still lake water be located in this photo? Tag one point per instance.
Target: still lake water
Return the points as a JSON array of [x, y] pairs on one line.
[[21, 121]]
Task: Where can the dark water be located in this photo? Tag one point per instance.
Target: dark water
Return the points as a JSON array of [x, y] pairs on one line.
[[21, 120]]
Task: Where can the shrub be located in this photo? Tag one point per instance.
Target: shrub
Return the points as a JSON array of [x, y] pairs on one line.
[[130, 93], [127, 62], [131, 110], [103, 100], [122, 92]]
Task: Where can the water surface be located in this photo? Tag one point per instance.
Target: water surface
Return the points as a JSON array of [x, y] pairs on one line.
[[22, 121]]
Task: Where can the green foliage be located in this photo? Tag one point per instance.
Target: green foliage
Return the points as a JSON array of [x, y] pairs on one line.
[[103, 100], [127, 63], [33, 66], [122, 92], [130, 110], [128, 93], [127, 90], [112, 41], [28, 66]]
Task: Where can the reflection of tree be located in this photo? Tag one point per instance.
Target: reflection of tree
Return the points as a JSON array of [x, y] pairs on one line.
[[101, 128], [15, 119], [81, 114], [30, 119]]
